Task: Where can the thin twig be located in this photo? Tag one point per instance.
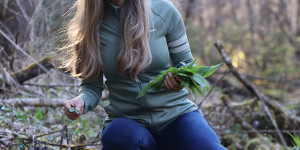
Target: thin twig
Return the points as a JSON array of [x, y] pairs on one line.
[[7, 29], [40, 135], [51, 85], [67, 146], [68, 143], [262, 131], [213, 88], [22, 10], [62, 138]]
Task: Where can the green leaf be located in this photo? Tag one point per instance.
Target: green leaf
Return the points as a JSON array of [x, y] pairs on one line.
[[296, 140], [173, 70], [191, 64], [38, 114], [201, 81], [181, 74], [157, 87], [185, 83], [192, 87], [73, 109], [17, 112], [156, 80], [196, 78], [59, 89], [206, 71], [192, 77], [198, 88], [186, 71]]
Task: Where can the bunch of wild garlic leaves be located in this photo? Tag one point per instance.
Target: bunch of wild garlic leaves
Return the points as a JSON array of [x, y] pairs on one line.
[[192, 77]]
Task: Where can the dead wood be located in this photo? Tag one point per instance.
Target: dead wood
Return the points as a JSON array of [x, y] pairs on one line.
[[33, 70], [274, 106], [293, 121], [250, 87], [38, 102], [41, 102], [225, 99]]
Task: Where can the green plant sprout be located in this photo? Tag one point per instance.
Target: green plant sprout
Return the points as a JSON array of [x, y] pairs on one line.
[[296, 141], [73, 109]]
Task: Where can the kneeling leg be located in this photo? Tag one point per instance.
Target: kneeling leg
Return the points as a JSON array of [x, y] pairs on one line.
[[127, 134]]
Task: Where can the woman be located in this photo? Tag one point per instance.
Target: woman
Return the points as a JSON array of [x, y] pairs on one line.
[[130, 42]]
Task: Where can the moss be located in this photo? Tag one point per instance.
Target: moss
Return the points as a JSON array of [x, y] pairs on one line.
[[33, 69], [25, 71], [257, 143]]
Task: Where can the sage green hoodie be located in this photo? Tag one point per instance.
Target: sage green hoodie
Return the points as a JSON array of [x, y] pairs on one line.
[[168, 43]]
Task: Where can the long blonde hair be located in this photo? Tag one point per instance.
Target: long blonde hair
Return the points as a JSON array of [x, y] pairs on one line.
[[83, 43]]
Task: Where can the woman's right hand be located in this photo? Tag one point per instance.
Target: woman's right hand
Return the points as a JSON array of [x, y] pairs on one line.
[[77, 103]]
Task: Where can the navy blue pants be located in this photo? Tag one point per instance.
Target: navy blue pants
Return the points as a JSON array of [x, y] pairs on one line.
[[188, 132]]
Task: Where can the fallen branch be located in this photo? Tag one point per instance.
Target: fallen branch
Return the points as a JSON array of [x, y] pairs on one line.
[[33, 70], [51, 85], [261, 131], [38, 102], [69, 146], [30, 71], [41, 102], [29, 139], [249, 86], [279, 109]]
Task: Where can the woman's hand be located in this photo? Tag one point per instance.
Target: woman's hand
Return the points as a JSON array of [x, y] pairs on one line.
[[173, 82], [78, 103]]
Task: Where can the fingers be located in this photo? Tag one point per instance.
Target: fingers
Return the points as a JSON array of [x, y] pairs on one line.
[[67, 105], [167, 84], [177, 78], [175, 81], [172, 83], [70, 115]]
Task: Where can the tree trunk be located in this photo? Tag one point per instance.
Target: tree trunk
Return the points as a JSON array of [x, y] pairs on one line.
[[252, 23], [189, 10], [298, 19]]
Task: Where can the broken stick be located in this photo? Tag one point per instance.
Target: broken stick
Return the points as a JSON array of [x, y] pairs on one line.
[[249, 86]]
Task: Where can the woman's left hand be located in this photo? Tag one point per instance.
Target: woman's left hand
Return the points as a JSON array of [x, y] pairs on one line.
[[173, 82]]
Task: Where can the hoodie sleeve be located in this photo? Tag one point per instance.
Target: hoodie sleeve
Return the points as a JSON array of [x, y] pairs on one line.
[[91, 92], [177, 40]]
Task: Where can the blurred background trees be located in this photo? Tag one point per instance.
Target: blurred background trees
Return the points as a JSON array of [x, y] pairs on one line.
[[262, 38]]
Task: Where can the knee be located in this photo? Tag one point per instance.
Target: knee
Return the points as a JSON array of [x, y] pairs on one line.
[[124, 133], [118, 132]]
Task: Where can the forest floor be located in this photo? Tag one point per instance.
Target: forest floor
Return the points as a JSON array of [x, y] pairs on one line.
[[19, 124]]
